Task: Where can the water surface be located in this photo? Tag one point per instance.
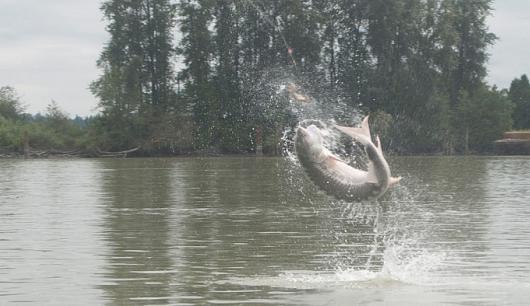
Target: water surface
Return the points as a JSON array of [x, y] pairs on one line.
[[196, 231]]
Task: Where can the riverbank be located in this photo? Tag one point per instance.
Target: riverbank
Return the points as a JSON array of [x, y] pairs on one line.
[[58, 155], [122, 154]]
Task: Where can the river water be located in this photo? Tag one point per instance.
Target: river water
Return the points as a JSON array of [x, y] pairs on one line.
[[197, 231]]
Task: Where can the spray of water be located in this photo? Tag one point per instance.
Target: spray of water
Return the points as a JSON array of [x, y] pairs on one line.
[[373, 242], [277, 25]]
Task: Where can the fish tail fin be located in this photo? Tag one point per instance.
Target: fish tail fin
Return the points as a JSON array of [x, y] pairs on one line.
[[361, 134]]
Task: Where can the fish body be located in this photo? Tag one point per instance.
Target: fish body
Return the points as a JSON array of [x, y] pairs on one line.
[[336, 177]]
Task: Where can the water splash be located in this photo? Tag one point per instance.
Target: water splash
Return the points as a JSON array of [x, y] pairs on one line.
[[417, 270], [373, 242]]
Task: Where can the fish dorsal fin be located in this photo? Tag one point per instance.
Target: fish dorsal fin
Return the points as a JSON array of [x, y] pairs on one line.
[[361, 134]]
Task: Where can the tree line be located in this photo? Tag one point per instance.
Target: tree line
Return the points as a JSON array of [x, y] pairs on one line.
[[53, 130], [203, 75]]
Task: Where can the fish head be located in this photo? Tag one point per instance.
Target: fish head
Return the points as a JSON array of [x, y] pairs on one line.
[[309, 142]]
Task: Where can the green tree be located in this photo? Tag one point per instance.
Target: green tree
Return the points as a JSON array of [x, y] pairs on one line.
[[11, 123], [482, 118], [418, 63], [231, 122], [519, 94], [195, 49], [349, 23], [300, 22], [10, 105], [159, 51], [473, 40], [135, 87], [56, 117]]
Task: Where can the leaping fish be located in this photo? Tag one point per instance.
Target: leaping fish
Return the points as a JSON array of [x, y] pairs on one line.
[[335, 176]]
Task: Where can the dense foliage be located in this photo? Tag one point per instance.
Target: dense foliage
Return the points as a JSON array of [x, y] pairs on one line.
[[417, 65], [52, 131], [421, 64], [519, 94]]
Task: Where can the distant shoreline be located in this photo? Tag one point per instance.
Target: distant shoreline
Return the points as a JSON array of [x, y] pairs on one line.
[[211, 155]]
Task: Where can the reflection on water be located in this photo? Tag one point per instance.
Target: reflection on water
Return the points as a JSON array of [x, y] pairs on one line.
[[199, 231], [136, 229]]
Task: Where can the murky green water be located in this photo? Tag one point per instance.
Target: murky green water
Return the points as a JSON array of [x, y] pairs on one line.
[[252, 231]]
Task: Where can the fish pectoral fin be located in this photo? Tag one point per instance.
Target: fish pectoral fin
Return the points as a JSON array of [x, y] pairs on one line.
[[332, 161], [335, 158]]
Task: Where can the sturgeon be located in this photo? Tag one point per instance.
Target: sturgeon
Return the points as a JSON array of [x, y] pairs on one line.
[[336, 177]]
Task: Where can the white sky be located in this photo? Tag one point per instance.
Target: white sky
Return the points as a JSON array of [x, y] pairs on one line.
[[510, 56], [48, 49]]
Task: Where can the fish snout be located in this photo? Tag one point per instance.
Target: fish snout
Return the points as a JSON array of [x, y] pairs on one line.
[[302, 137], [302, 132]]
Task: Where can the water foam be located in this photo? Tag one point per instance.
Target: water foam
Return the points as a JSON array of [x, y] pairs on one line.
[[415, 270]]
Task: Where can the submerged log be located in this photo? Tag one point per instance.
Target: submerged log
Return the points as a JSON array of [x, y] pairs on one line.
[[102, 153]]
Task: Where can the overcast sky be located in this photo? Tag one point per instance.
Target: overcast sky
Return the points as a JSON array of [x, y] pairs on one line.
[[48, 49]]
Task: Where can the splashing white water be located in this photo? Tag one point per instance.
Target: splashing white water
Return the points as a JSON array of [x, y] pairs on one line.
[[417, 270], [394, 253]]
